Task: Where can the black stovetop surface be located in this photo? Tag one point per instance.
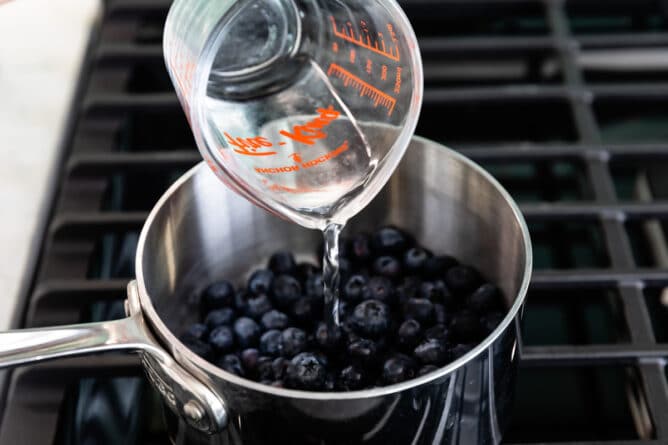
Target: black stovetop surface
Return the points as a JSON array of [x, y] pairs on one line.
[[564, 102]]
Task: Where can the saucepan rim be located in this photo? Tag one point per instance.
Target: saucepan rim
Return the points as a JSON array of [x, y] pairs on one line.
[[188, 359]]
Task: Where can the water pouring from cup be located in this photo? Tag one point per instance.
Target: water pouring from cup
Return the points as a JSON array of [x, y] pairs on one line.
[[279, 94]]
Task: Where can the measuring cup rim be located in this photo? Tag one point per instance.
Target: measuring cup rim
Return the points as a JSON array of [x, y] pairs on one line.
[[189, 359]]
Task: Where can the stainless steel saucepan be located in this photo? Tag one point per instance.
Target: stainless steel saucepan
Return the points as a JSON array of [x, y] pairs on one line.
[[200, 231]]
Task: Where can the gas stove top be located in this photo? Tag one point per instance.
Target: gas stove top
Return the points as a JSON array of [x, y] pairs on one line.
[[564, 102]]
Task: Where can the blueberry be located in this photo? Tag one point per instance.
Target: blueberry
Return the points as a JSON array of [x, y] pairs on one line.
[[345, 269], [426, 369], [304, 310], [460, 350], [219, 317], [199, 347], [294, 341], [387, 266], [436, 267], [231, 364], [282, 263], [274, 320], [286, 290], [437, 332], [379, 288], [437, 292], [247, 332], [330, 382], [360, 248], [265, 370], [197, 331], [351, 378], [409, 288], [270, 343], [414, 259], [409, 334], [384, 343], [420, 309], [217, 296], [491, 321], [305, 270], [398, 369], [363, 352], [306, 372], [431, 352], [315, 288], [250, 359], [483, 299], [354, 289], [371, 318], [327, 338], [349, 333], [462, 279], [465, 327], [241, 300], [221, 339], [440, 314], [258, 306], [389, 241], [344, 309], [260, 282], [279, 366], [322, 358]]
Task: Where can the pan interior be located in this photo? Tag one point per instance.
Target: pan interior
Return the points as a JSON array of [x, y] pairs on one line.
[[201, 231]]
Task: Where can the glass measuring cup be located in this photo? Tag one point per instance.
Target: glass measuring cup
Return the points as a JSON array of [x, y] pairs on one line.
[[280, 94]]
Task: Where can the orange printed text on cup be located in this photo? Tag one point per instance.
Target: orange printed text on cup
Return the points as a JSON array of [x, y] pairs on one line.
[[313, 130]]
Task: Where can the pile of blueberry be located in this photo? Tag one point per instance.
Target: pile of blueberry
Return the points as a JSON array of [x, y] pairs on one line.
[[404, 312]]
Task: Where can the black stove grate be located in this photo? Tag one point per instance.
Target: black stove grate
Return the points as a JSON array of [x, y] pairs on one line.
[[565, 102]]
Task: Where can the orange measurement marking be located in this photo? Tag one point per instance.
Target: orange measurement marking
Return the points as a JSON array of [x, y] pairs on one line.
[[296, 157], [366, 90], [350, 36]]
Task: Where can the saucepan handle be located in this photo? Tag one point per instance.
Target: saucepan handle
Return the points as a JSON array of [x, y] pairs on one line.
[[28, 346], [186, 395]]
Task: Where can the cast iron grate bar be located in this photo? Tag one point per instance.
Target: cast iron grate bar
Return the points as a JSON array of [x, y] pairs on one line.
[[531, 151], [579, 96], [86, 223], [98, 164], [617, 242], [87, 163]]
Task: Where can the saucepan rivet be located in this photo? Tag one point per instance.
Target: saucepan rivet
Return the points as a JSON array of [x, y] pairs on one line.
[[193, 411]]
